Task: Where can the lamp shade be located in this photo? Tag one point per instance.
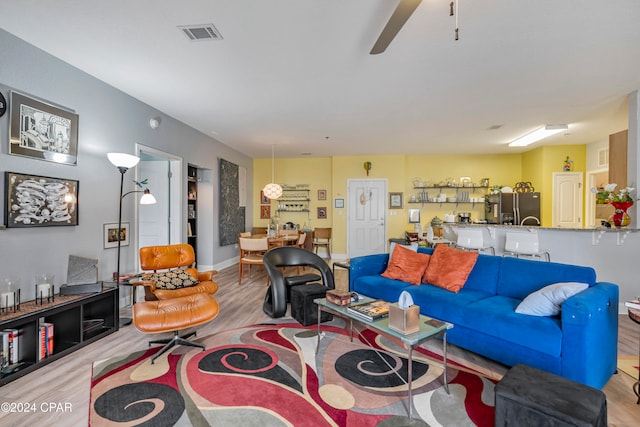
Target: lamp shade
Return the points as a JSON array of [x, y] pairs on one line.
[[147, 198], [123, 160], [272, 191]]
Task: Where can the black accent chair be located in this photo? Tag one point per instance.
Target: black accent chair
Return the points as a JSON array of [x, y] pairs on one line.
[[275, 300]]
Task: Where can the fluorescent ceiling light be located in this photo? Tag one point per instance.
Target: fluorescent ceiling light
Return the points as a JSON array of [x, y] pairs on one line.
[[537, 135]]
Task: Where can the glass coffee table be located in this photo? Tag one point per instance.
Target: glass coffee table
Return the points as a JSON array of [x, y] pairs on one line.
[[408, 341]]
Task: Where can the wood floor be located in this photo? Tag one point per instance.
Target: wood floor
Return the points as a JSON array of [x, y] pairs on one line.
[[66, 381]]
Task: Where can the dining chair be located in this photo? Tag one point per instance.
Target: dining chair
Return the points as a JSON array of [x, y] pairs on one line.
[[472, 239], [322, 239], [259, 230], [251, 252]]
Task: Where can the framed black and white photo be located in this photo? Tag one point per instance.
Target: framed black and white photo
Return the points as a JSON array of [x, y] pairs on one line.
[[111, 235], [39, 201], [338, 203], [322, 213], [395, 200], [414, 216], [42, 131]]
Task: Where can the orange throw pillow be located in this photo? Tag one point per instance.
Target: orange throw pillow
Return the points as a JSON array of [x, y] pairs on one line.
[[449, 268], [406, 265]]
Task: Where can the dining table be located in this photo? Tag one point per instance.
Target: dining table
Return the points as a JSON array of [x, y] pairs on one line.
[[276, 241]]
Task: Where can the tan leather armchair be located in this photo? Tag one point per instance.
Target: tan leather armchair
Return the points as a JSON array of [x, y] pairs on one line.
[[155, 258]]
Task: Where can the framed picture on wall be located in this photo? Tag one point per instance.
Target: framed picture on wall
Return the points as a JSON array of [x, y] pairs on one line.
[[111, 235], [265, 212], [322, 213], [42, 131], [264, 200], [40, 201], [395, 200], [414, 216], [338, 203], [322, 194]]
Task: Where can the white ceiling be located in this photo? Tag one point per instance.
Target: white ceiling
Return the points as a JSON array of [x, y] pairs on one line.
[[296, 72]]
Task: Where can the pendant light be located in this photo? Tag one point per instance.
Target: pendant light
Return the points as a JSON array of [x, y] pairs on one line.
[[272, 190]]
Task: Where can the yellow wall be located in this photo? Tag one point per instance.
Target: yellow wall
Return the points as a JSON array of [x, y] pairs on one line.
[[332, 174], [391, 168], [546, 160], [316, 172]]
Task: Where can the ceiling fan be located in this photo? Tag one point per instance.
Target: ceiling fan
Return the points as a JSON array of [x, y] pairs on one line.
[[402, 13]]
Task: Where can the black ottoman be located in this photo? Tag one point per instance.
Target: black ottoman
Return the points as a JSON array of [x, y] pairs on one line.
[[303, 309], [291, 281], [530, 397]]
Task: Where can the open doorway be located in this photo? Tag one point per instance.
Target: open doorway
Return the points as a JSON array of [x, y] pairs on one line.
[[160, 224], [596, 213]]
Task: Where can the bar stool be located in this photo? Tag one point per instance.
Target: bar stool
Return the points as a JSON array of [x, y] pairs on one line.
[[519, 243], [472, 239]]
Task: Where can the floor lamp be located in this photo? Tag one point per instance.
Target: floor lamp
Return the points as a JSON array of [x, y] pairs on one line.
[[124, 162]]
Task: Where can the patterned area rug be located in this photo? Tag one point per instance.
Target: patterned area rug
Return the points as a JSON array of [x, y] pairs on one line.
[[269, 375]]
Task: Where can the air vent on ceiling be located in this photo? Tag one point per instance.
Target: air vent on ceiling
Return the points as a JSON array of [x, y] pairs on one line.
[[201, 32]]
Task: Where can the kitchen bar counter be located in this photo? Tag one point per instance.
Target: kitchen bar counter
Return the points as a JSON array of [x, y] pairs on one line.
[[612, 252], [537, 227]]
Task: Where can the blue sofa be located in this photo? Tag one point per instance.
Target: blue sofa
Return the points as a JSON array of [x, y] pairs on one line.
[[579, 344]]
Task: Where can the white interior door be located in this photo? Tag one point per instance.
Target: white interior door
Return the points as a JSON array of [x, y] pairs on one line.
[[160, 224], [567, 199], [366, 230], [154, 219]]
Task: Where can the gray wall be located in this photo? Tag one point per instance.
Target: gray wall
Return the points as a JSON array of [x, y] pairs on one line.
[[110, 120]]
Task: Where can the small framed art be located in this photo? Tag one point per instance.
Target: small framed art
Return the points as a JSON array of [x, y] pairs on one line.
[[414, 216], [322, 213], [338, 203], [265, 212], [111, 235], [322, 194], [264, 200], [395, 200]]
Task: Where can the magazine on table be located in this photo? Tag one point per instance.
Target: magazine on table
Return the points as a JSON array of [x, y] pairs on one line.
[[371, 310]]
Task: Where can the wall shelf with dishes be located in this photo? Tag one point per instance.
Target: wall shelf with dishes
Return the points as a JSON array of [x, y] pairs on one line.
[[465, 194], [294, 199]]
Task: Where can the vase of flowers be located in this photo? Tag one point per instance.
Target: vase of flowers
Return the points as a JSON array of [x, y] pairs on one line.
[[621, 200]]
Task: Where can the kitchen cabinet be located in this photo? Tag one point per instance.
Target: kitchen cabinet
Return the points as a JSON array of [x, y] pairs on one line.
[[618, 158]]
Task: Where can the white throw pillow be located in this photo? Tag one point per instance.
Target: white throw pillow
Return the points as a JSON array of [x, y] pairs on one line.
[[548, 300]]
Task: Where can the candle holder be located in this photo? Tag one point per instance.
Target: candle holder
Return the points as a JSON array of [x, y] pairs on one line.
[[9, 297], [10, 302], [45, 289]]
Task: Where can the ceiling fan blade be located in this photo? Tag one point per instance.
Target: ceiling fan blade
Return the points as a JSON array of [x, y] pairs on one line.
[[403, 11]]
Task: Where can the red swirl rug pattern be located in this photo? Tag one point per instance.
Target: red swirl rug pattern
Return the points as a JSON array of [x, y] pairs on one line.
[[270, 375]]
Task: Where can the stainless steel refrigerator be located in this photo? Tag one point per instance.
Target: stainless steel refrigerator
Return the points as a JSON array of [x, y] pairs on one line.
[[513, 208]]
